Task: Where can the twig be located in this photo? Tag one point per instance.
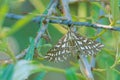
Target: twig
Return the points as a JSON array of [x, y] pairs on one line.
[[44, 25], [85, 67], [45, 21], [66, 22]]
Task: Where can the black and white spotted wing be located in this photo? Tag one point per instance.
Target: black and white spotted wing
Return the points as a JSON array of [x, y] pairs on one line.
[[86, 46], [73, 43], [60, 51]]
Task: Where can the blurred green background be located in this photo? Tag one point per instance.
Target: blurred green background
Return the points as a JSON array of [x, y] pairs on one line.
[[107, 61]]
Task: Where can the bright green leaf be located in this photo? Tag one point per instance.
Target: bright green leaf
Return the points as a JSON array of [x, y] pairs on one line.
[[18, 25], [30, 53], [3, 11], [40, 76], [115, 9], [7, 72], [95, 9], [70, 74], [5, 50]]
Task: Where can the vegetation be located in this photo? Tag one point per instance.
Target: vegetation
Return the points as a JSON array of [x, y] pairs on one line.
[[22, 48]]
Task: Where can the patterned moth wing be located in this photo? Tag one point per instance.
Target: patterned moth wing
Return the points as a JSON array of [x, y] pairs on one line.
[[86, 46], [60, 51], [73, 43]]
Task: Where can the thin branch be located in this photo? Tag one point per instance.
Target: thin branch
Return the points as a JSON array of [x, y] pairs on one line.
[[66, 22], [45, 21], [85, 67], [43, 27]]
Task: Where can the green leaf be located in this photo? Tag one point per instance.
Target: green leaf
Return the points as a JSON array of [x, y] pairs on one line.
[[30, 53], [3, 45], [115, 9], [38, 5], [103, 60], [3, 11], [24, 68], [18, 25], [40, 76], [5, 50], [7, 72], [95, 9], [70, 74]]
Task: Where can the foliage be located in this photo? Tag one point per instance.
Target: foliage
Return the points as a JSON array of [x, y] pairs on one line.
[[35, 68]]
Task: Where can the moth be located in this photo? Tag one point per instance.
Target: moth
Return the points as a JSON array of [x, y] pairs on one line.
[[71, 44]]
